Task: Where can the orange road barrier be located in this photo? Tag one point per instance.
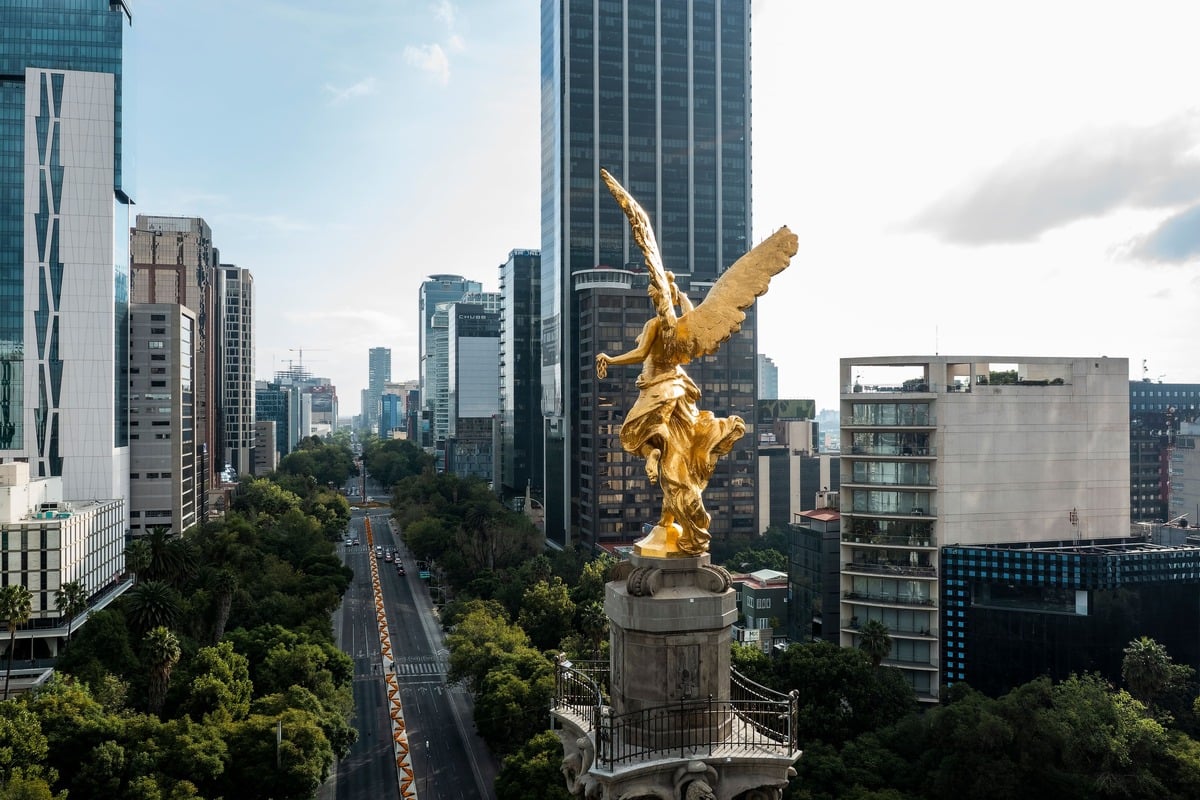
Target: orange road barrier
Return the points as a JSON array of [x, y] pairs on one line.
[[404, 768]]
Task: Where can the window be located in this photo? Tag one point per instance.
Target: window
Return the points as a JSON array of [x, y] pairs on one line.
[[762, 602], [155, 344]]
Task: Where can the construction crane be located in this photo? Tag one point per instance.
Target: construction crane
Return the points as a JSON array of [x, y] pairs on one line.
[[300, 352]]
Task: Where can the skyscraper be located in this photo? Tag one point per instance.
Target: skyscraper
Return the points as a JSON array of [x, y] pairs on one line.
[[235, 366], [379, 372], [520, 456], [659, 95], [164, 484], [174, 261], [64, 261], [473, 402], [768, 378], [437, 290]]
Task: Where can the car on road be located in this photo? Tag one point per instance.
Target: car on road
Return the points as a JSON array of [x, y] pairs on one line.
[[355, 542], [400, 570], [378, 551], [388, 558], [349, 542]]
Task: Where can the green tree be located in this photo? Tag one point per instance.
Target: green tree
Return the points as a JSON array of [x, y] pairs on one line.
[[546, 613], [591, 621], [533, 771], [260, 498], [875, 640], [332, 717], [152, 604], [171, 558], [28, 786], [841, 695], [16, 606], [1146, 668], [592, 579], [328, 463], [70, 600], [511, 703], [137, 558], [225, 584], [23, 746], [303, 754], [481, 639], [220, 687], [754, 559], [393, 460], [162, 654], [100, 648]]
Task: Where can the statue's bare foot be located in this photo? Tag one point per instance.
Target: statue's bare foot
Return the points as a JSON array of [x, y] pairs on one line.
[[652, 465]]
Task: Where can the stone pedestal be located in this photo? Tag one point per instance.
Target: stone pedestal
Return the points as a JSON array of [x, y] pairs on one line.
[[672, 729], [670, 643]]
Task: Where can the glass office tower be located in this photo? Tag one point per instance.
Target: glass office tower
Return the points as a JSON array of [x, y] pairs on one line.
[[64, 242], [659, 95]]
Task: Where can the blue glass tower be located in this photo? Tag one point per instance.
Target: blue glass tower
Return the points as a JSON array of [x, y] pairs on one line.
[[64, 242]]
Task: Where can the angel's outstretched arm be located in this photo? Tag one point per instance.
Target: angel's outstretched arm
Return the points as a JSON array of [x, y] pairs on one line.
[[634, 356]]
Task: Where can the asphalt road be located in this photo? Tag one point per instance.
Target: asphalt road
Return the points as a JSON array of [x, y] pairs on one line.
[[450, 761]]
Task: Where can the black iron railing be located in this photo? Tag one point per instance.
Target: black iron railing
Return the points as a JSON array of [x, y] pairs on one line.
[[754, 718]]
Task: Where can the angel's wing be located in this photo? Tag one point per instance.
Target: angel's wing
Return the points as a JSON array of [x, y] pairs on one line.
[[643, 234], [702, 330]]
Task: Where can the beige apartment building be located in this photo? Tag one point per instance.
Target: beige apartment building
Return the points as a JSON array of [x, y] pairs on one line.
[[940, 450]]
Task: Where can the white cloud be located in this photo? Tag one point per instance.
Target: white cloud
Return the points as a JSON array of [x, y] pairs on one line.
[[429, 58], [1052, 184], [455, 43], [444, 10], [366, 86]]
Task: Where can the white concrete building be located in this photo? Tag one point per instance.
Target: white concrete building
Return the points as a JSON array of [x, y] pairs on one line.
[[47, 541], [940, 450]]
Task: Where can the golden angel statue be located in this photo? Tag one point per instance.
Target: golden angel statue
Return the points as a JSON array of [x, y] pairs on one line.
[[681, 443]]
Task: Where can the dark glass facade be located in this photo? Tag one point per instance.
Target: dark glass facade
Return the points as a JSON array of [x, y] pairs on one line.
[[1013, 612], [1155, 411], [520, 371], [272, 402], [659, 95]]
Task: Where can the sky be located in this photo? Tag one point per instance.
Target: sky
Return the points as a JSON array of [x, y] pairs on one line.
[[995, 179]]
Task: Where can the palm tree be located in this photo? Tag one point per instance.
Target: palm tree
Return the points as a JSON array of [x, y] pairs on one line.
[[171, 556], [152, 604], [71, 600], [16, 606], [162, 654], [1146, 668], [875, 640], [225, 583], [137, 558]]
